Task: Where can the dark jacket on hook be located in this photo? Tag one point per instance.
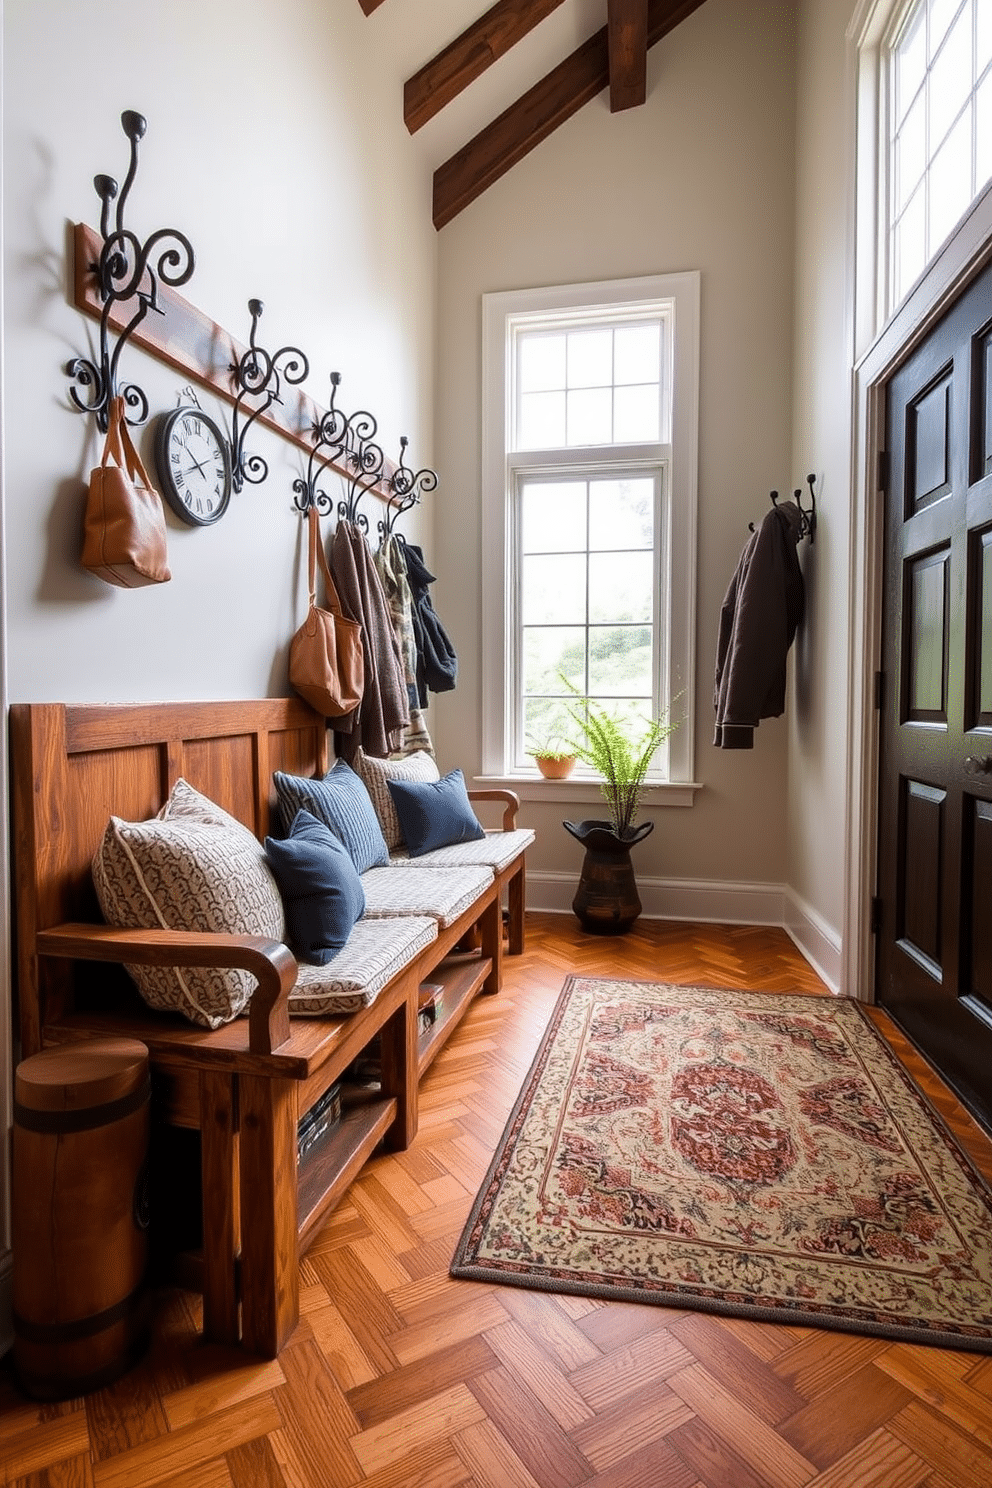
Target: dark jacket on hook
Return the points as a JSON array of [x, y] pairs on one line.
[[758, 621], [437, 664]]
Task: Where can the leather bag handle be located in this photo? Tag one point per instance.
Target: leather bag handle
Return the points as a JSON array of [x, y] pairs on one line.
[[120, 446], [317, 554]]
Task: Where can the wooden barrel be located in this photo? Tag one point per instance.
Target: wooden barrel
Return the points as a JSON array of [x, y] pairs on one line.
[[80, 1215]]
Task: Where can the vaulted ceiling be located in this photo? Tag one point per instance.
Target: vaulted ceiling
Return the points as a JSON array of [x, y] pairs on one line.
[[487, 86]]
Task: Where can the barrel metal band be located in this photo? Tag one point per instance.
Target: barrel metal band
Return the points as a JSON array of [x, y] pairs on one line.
[[77, 1328], [57, 1122]]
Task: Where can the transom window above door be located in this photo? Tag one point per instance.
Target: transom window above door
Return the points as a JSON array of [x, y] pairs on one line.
[[938, 91]]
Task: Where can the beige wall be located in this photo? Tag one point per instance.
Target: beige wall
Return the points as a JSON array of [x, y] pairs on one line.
[[701, 177], [822, 434]]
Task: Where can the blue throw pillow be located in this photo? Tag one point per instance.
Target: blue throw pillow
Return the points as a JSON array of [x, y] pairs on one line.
[[342, 803], [321, 892], [434, 813]]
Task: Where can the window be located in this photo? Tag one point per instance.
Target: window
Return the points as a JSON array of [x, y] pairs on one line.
[[934, 103], [589, 495]]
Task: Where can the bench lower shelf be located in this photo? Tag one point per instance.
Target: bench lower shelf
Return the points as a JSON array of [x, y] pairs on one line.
[[336, 1157]]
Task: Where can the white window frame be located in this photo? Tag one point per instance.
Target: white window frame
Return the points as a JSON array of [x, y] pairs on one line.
[[675, 544]]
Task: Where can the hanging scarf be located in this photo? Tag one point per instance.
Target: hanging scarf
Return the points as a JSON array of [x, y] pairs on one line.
[[391, 567]]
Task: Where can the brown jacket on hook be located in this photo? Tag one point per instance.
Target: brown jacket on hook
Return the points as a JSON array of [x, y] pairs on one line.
[[762, 608]]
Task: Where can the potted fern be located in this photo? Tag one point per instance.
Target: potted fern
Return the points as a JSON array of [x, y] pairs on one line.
[[606, 901]]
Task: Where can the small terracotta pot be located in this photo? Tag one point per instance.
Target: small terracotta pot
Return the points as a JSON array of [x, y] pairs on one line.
[[554, 768]]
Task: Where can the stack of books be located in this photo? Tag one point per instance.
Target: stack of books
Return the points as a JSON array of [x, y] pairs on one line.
[[366, 1070], [321, 1117]]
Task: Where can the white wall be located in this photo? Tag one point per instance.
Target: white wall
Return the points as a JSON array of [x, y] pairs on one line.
[[270, 146], [702, 177], [6, 1030]]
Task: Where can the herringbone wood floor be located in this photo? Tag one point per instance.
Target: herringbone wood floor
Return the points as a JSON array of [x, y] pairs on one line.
[[399, 1377]]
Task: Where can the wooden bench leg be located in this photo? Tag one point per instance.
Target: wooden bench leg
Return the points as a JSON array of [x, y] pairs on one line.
[[491, 930], [270, 1270], [398, 1053], [219, 1187], [516, 895]]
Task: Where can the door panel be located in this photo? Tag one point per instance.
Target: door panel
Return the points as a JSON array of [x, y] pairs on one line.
[[984, 402], [928, 446], [934, 945], [918, 891], [926, 605]]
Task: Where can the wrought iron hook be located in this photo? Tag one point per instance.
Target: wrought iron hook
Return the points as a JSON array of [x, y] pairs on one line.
[[257, 375], [330, 436], [807, 525], [125, 271], [405, 490]]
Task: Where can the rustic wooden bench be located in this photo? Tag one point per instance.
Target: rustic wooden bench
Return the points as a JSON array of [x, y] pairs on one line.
[[242, 1088]]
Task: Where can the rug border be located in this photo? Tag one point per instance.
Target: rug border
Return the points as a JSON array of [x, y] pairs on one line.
[[806, 1317]]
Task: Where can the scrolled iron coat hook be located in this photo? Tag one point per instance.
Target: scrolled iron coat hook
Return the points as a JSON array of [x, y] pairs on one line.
[[126, 269], [347, 440], [257, 376], [406, 488]]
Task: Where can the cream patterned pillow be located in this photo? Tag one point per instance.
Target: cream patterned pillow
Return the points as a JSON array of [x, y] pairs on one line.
[[193, 867], [376, 773]]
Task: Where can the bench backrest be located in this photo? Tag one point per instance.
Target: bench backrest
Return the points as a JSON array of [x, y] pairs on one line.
[[73, 766]]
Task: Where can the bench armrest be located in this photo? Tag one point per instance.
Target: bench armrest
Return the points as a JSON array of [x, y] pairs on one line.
[[269, 961], [509, 798]]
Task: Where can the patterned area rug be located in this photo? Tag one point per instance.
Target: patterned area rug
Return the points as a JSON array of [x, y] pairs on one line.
[[750, 1154]]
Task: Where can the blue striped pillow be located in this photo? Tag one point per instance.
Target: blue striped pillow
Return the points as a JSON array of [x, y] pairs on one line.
[[342, 803]]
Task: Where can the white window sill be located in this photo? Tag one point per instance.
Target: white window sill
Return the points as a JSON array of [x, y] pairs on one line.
[[583, 789]]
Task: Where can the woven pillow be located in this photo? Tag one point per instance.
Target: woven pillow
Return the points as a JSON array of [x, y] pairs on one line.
[[342, 803], [192, 867], [376, 775]]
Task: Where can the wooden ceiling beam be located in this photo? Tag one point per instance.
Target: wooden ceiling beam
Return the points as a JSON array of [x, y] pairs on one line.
[[627, 31], [468, 56], [538, 113]]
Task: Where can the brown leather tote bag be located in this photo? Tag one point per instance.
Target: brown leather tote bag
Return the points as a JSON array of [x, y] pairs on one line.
[[326, 659], [124, 537]]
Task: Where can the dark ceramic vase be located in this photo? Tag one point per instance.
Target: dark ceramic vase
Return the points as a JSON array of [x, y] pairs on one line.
[[606, 901]]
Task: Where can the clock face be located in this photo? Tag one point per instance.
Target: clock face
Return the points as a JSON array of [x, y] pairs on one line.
[[194, 466]]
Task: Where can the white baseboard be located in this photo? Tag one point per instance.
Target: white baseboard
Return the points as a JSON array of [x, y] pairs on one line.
[[819, 942], [716, 902], [6, 1302]]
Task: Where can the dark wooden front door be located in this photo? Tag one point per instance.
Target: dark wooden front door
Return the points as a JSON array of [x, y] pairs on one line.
[[934, 939]]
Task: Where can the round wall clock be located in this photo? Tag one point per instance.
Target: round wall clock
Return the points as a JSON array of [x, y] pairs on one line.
[[193, 459]]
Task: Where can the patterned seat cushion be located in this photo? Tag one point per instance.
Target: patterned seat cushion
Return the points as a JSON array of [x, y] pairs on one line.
[[376, 950], [193, 867], [376, 775], [496, 850], [440, 893]]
